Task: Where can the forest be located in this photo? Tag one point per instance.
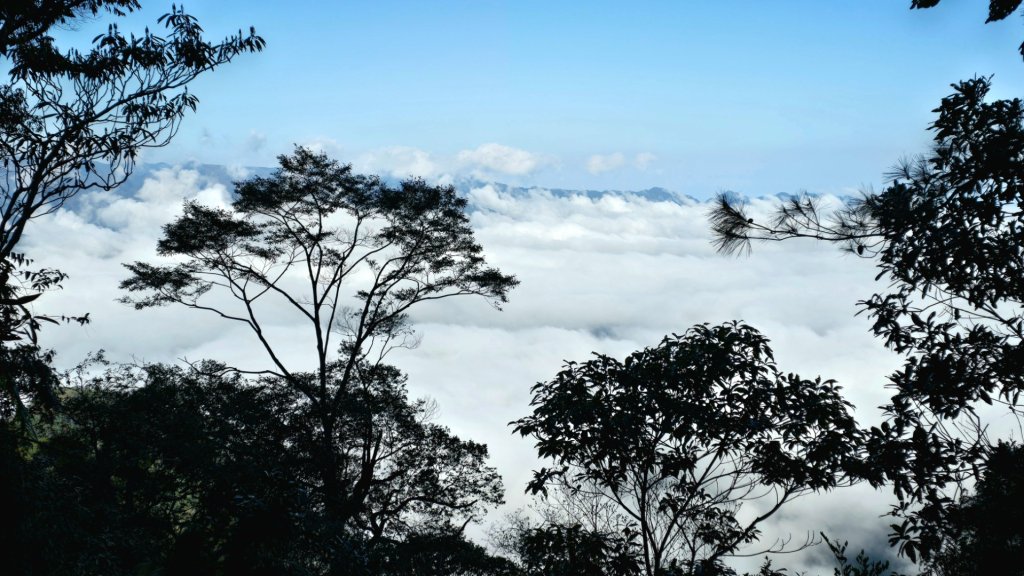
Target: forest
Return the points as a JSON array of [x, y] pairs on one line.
[[670, 461]]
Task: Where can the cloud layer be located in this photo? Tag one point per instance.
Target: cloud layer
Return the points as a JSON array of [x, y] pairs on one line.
[[485, 161], [608, 274], [601, 163], [501, 159]]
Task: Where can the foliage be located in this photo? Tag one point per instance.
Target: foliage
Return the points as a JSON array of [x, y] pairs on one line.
[[305, 238], [568, 550], [984, 534], [862, 565], [72, 121], [432, 554], [193, 472], [556, 545], [24, 24], [947, 234], [151, 468], [26, 376], [679, 437], [553, 547], [419, 474]]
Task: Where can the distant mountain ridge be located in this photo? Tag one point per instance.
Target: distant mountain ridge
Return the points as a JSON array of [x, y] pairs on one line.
[[226, 175], [656, 194]]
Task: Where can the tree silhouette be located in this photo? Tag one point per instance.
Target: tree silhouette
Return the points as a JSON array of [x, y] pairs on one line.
[[862, 564], [304, 239], [681, 436], [75, 121], [568, 550], [157, 467], [431, 554], [558, 544], [947, 234], [72, 121], [984, 534], [24, 25], [181, 471]]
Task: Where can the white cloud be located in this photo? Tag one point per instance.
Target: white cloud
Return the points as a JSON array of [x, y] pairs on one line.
[[599, 163], [486, 162], [325, 145], [643, 160], [611, 274], [237, 172], [502, 159], [255, 141], [398, 162]]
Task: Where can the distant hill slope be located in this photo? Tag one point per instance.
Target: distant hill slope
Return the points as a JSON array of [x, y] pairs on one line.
[[226, 175], [215, 173], [656, 194]]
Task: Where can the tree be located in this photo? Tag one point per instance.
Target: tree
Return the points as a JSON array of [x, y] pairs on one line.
[[862, 565], [433, 554], [984, 534], [157, 467], [566, 550], [72, 121], [24, 25], [302, 238], [76, 121], [947, 235], [184, 471], [681, 436], [423, 477], [559, 545]]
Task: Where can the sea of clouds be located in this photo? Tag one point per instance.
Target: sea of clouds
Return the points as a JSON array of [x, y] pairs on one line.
[[607, 273]]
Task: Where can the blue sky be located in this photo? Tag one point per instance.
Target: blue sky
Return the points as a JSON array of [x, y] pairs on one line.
[[757, 97]]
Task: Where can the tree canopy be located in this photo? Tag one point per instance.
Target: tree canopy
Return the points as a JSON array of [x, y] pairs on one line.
[[186, 471], [76, 120], [316, 220], [348, 256], [947, 234], [681, 436], [983, 533], [73, 120]]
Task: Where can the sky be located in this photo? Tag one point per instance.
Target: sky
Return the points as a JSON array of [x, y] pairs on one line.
[[695, 97]]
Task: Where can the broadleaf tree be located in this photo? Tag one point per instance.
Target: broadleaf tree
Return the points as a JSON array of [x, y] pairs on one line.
[[196, 471], [983, 533], [947, 237], [680, 437], [348, 256], [74, 120]]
